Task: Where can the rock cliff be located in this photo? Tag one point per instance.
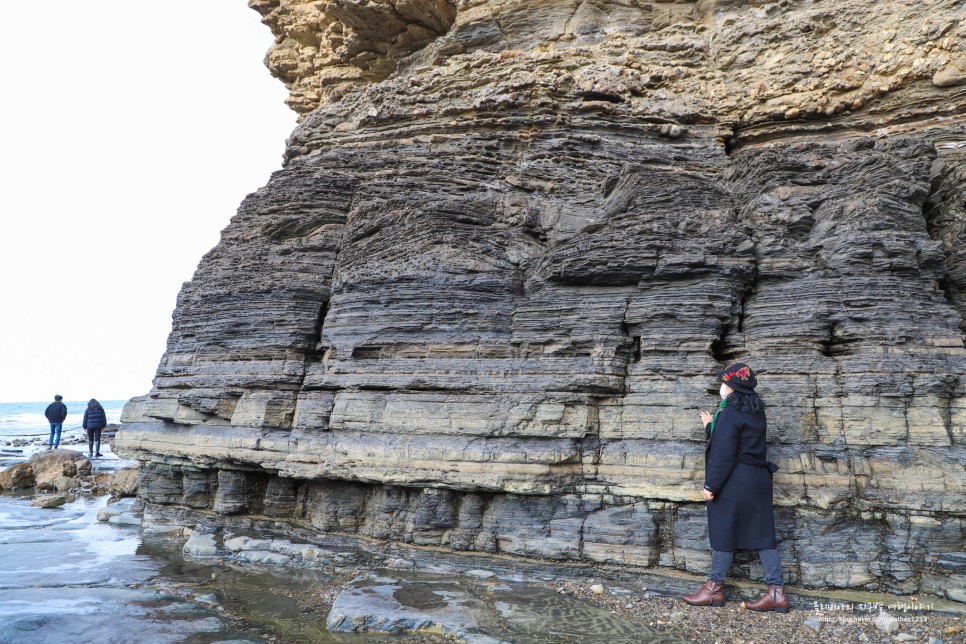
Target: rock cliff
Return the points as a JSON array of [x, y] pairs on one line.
[[480, 306]]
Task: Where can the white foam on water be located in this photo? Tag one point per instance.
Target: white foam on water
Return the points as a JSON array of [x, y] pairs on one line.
[[25, 420], [98, 544], [104, 541], [13, 522], [51, 606]]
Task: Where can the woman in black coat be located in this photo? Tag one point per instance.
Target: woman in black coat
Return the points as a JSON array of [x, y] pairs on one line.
[[738, 490], [94, 421]]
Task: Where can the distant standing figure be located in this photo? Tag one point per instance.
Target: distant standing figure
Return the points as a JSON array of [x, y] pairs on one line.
[[738, 490], [56, 413], [94, 421]]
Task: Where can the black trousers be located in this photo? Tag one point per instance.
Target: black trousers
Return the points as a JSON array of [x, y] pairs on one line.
[[94, 435]]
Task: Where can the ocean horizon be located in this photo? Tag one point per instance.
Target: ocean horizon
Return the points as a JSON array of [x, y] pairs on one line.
[[26, 419]]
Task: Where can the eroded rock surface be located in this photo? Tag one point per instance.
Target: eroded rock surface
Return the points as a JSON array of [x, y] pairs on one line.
[[59, 469], [17, 476], [480, 305], [123, 482], [477, 613]]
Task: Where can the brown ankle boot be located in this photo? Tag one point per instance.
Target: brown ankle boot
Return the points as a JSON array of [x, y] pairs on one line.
[[711, 594], [774, 600]]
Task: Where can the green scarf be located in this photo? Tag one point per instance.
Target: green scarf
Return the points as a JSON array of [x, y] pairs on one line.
[[713, 420]]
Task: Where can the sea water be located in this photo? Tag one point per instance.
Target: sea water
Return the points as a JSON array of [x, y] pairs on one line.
[[27, 420], [66, 577]]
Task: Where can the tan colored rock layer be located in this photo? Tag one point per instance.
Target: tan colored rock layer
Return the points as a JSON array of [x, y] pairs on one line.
[[513, 240], [730, 62], [861, 479]]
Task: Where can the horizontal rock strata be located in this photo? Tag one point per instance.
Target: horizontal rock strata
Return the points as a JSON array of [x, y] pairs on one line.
[[480, 306]]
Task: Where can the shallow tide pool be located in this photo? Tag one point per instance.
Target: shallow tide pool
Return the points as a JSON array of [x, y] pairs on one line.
[[65, 577]]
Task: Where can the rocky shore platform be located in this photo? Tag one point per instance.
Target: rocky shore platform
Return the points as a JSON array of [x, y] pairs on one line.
[[277, 583], [420, 594]]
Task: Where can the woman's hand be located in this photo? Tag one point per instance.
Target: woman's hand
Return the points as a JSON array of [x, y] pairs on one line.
[[708, 496], [706, 418]]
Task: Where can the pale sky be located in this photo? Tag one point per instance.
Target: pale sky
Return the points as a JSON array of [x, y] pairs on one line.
[[129, 134]]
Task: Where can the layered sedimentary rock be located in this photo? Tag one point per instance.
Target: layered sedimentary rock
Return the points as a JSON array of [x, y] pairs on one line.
[[480, 306]]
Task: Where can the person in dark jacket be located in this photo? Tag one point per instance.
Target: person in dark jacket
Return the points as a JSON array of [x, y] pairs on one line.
[[56, 413], [94, 421], [738, 490]]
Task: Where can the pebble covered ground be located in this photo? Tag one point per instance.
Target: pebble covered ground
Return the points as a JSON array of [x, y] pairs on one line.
[[735, 625], [728, 625]]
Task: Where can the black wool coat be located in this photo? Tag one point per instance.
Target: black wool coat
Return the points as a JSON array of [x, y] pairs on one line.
[[737, 472]]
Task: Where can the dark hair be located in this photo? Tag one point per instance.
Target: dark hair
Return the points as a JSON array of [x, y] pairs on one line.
[[58, 397], [748, 403], [92, 403]]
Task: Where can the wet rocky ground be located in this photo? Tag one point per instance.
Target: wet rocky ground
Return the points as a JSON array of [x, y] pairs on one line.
[[65, 577], [393, 594], [88, 570], [545, 613]]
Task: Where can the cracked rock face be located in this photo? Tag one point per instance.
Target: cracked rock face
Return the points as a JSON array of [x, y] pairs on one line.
[[480, 306]]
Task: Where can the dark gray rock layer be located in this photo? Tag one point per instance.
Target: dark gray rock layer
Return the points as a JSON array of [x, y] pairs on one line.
[[484, 318]]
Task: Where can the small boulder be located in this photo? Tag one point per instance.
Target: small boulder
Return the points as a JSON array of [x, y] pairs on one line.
[[266, 557], [399, 563], [237, 543], [597, 589], [49, 500], [106, 514], [59, 484], [53, 464], [114, 509], [18, 476], [201, 545], [126, 518], [123, 482], [886, 623]]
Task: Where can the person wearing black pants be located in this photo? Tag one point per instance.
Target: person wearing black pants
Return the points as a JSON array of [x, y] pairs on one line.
[[94, 421], [738, 491]]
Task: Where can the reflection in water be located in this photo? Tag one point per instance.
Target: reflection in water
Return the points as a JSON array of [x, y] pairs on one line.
[[265, 598], [64, 577], [462, 606]]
